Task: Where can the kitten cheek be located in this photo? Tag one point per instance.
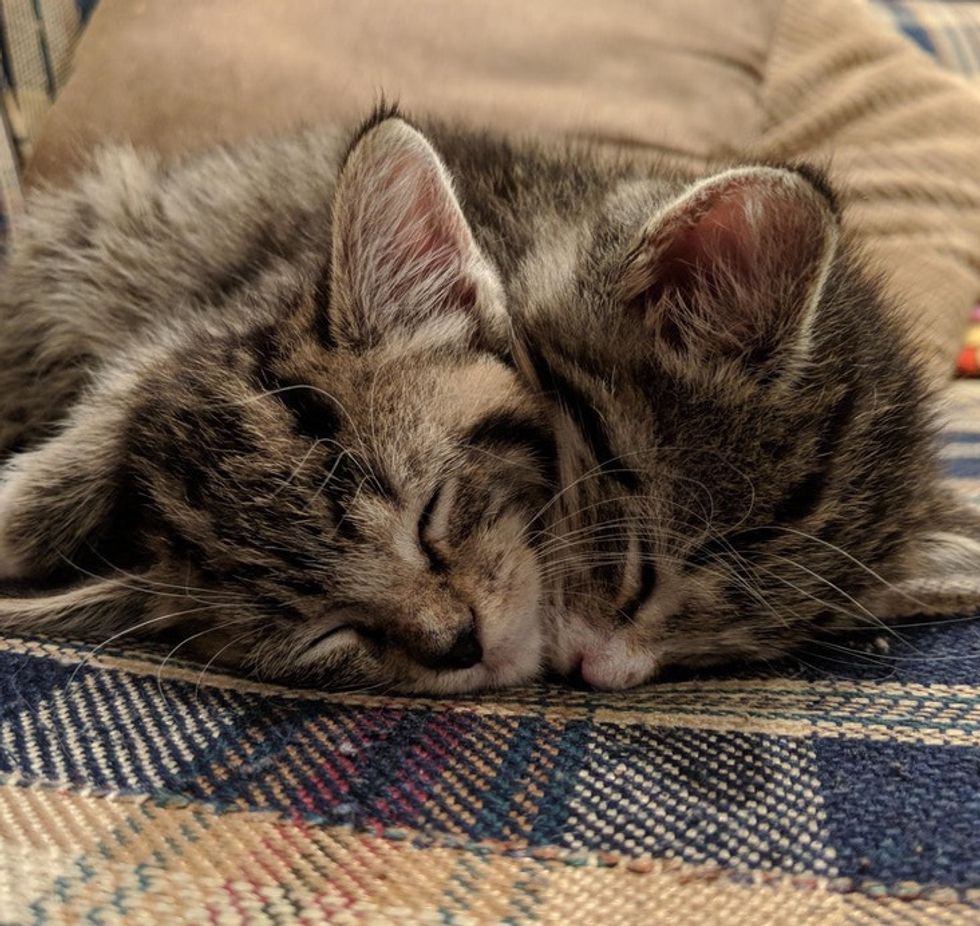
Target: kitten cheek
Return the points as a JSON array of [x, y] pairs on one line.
[[569, 636], [512, 634]]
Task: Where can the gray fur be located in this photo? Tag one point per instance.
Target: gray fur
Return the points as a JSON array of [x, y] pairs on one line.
[[245, 403], [748, 443], [229, 393]]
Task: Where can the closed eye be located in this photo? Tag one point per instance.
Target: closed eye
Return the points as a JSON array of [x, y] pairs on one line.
[[333, 632], [645, 588], [437, 562]]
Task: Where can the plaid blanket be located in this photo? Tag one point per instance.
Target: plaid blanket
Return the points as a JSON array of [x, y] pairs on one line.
[[839, 787]]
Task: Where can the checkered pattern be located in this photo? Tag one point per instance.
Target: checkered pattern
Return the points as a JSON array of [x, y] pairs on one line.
[[135, 790]]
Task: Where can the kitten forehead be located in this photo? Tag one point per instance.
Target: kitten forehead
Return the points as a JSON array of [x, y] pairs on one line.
[[486, 385], [631, 202], [549, 269], [445, 393]]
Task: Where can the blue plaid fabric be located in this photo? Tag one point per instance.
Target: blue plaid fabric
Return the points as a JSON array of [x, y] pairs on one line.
[[949, 30], [848, 777], [839, 787]]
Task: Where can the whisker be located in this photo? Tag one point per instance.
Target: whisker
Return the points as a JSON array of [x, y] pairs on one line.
[[148, 590], [896, 659], [288, 481], [183, 642], [212, 660], [853, 559], [127, 630]]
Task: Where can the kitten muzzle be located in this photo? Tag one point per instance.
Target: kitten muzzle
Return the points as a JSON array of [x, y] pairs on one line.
[[464, 652]]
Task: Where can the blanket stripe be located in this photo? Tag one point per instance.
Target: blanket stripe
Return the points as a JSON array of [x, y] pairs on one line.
[[838, 787]]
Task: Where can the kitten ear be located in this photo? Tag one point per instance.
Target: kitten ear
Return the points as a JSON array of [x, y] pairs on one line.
[[404, 259], [944, 573], [735, 267]]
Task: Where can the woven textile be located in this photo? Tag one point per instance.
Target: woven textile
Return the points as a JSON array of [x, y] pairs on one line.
[[841, 787], [36, 38]]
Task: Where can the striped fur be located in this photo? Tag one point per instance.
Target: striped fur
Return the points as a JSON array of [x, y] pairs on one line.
[[255, 383], [748, 453], [269, 401]]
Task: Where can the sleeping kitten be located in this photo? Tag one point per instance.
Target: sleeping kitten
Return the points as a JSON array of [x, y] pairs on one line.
[[267, 413], [258, 406], [747, 441]]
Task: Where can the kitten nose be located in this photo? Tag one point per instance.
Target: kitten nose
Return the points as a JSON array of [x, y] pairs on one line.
[[464, 653]]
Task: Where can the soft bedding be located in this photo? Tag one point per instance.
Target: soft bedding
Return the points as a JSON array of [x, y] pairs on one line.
[[840, 787]]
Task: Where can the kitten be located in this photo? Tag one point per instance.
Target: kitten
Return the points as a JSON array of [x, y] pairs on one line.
[[255, 402], [747, 441], [264, 403]]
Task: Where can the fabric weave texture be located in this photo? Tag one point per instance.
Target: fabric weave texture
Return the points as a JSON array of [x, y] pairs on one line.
[[840, 787]]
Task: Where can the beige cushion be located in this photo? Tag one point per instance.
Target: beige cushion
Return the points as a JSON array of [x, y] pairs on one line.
[[174, 74], [820, 79]]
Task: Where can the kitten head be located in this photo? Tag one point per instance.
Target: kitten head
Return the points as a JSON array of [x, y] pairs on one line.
[[746, 440], [338, 493]]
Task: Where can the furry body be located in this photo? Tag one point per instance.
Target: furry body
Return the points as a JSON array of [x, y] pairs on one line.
[[265, 401]]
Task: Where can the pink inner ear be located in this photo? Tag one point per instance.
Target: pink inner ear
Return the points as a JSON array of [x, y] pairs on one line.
[[718, 239], [426, 223], [428, 239], [732, 267], [442, 241]]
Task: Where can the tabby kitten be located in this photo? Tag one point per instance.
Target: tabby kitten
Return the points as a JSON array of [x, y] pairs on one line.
[[256, 402], [302, 452], [748, 443]]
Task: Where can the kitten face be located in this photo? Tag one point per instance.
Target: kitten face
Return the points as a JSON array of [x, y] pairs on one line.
[[366, 510], [746, 448], [339, 494]]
